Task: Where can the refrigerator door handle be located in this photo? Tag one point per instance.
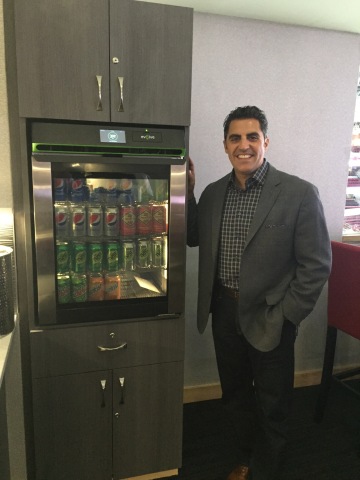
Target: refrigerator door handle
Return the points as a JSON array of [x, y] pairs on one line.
[[110, 349], [44, 241]]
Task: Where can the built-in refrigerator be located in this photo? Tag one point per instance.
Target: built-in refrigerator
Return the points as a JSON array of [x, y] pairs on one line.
[[108, 221]]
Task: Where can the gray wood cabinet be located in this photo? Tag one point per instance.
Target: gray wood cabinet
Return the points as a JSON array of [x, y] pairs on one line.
[[105, 412], [104, 60]]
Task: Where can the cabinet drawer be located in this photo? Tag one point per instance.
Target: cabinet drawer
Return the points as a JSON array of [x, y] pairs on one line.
[[61, 351]]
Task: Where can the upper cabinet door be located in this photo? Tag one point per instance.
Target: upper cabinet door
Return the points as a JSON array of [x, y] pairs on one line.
[[62, 57], [150, 62]]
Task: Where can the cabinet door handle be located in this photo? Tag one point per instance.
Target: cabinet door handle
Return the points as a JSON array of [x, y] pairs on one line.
[[103, 386], [110, 349], [122, 385], [99, 81], [121, 86]]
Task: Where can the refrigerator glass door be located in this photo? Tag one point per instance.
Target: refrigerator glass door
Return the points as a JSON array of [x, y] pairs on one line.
[[103, 233]]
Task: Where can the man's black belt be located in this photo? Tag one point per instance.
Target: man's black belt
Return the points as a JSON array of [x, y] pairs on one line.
[[229, 292]]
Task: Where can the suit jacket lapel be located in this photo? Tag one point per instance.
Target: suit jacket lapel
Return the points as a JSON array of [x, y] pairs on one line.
[[269, 194]]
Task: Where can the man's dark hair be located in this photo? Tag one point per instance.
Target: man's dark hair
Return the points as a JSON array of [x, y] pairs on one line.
[[246, 112]]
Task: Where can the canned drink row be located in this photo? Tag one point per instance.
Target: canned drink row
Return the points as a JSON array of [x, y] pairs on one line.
[[94, 287], [112, 190], [78, 190], [97, 257], [96, 220]]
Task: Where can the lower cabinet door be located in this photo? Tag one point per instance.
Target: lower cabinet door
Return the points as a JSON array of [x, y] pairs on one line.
[[147, 409], [72, 426]]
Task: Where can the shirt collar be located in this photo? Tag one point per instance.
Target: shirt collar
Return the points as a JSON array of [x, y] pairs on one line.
[[257, 178]]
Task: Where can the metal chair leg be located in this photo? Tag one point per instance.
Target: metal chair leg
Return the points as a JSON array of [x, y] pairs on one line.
[[326, 377]]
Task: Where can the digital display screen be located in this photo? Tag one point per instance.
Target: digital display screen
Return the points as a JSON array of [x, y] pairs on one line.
[[112, 136]]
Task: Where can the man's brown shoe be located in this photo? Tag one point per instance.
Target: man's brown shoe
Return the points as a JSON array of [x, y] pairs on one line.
[[241, 472]]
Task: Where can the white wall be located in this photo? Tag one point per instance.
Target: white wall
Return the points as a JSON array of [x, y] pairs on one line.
[[305, 80]]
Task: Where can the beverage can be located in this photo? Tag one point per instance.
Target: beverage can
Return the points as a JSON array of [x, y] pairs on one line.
[[96, 287], [112, 286], [95, 257], [62, 219], [111, 221], [78, 190], [112, 192], [160, 190], [143, 219], [143, 253], [127, 220], [60, 189], [112, 257], [157, 252], [62, 257], [128, 256], [63, 289], [159, 218], [79, 287], [125, 184], [78, 219], [95, 220], [78, 260]]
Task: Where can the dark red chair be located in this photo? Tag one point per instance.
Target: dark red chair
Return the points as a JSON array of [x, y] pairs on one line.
[[343, 314]]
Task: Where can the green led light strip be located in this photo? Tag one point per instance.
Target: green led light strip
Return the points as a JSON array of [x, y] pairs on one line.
[[107, 149]]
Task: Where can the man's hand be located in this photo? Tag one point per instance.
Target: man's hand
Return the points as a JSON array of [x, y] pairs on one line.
[[191, 178]]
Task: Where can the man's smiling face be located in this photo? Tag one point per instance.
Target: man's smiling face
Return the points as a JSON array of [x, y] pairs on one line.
[[245, 146]]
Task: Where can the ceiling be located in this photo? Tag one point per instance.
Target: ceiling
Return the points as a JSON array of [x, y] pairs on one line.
[[342, 15]]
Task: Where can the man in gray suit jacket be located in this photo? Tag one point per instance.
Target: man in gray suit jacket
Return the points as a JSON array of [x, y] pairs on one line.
[[264, 257]]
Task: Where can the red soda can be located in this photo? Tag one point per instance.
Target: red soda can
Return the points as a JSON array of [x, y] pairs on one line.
[[127, 220], [95, 220], [78, 219], [159, 218], [111, 221], [143, 219]]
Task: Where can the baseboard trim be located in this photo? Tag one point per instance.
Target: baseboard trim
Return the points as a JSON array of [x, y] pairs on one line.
[[153, 476], [212, 391]]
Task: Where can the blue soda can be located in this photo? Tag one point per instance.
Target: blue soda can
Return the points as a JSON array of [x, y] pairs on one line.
[[78, 190], [60, 189]]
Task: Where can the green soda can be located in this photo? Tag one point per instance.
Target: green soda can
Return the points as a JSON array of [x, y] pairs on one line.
[[62, 257], [78, 260], [79, 287], [143, 253], [95, 253], [161, 190], [112, 256], [63, 289], [128, 255], [157, 252]]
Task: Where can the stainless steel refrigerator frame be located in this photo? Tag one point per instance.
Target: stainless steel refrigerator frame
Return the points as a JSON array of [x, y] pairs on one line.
[[44, 244]]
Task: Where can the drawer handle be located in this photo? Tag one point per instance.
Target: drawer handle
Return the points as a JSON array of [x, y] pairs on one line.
[[110, 349]]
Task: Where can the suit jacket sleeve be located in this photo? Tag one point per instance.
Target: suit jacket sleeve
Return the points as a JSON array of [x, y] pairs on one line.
[[313, 258]]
